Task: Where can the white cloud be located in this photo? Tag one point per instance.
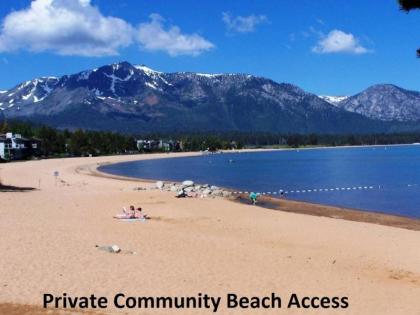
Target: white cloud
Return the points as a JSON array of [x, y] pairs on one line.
[[76, 27], [154, 37], [242, 24], [65, 27], [339, 42]]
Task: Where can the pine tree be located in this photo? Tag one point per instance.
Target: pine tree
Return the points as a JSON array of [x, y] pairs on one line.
[[4, 127], [407, 6]]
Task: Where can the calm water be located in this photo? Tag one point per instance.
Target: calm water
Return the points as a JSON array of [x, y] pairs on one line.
[[385, 179]]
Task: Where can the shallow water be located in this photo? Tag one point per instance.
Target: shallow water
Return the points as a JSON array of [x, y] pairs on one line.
[[384, 179]]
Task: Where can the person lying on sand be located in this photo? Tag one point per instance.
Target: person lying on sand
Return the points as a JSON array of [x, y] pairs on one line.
[[132, 214], [142, 214]]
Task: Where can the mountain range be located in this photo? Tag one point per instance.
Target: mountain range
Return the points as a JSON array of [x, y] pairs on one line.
[[136, 99]]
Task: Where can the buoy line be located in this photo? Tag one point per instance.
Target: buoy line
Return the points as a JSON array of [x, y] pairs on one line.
[[323, 190]]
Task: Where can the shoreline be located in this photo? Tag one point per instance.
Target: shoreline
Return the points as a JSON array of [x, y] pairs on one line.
[[340, 213], [287, 205]]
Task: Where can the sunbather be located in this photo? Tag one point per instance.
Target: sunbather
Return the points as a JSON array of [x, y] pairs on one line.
[[133, 213], [142, 214]]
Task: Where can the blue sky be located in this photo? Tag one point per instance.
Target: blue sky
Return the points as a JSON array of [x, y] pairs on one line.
[[332, 47]]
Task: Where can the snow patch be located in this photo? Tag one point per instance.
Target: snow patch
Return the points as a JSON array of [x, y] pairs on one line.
[[114, 78], [97, 92], [84, 75], [209, 75], [334, 100], [146, 70], [151, 85]]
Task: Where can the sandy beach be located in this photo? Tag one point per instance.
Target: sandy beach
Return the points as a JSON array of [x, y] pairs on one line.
[[190, 246]]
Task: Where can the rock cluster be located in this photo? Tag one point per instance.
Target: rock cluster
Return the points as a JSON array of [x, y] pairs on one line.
[[189, 189]]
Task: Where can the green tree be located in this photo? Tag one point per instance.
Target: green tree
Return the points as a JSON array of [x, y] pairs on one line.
[[50, 142], [4, 127], [78, 143]]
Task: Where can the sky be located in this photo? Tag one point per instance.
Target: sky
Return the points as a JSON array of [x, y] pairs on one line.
[[327, 47]]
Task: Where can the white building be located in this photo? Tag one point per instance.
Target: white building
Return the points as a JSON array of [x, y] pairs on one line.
[[14, 147]]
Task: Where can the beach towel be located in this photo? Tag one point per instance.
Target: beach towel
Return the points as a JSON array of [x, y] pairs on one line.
[[129, 217], [133, 220], [126, 216]]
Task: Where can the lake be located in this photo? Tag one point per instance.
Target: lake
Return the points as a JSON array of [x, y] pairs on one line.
[[375, 178]]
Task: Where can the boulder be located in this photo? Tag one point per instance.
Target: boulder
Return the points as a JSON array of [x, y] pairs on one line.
[[226, 194], [160, 185], [217, 192], [188, 183], [207, 191], [189, 189]]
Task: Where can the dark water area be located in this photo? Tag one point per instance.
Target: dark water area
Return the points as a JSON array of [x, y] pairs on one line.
[[382, 179]]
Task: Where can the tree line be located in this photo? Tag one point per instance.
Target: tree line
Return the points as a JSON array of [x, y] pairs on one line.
[[79, 142]]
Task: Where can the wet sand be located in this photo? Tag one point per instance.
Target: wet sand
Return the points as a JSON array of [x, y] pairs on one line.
[[332, 212]]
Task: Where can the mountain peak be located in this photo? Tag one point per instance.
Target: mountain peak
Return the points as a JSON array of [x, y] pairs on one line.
[[386, 102], [384, 86]]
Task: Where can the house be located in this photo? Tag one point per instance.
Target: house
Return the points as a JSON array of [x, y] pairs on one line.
[[158, 145], [147, 145], [3, 147], [15, 147]]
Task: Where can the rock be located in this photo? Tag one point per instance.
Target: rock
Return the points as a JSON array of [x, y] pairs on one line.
[[188, 183], [115, 248], [109, 248], [217, 192], [189, 189], [214, 188], [226, 194], [160, 185], [207, 191]]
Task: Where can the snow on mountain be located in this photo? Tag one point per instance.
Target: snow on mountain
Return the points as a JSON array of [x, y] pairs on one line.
[[136, 98], [29, 92], [146, 70], [334, 100], [385, 102]]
